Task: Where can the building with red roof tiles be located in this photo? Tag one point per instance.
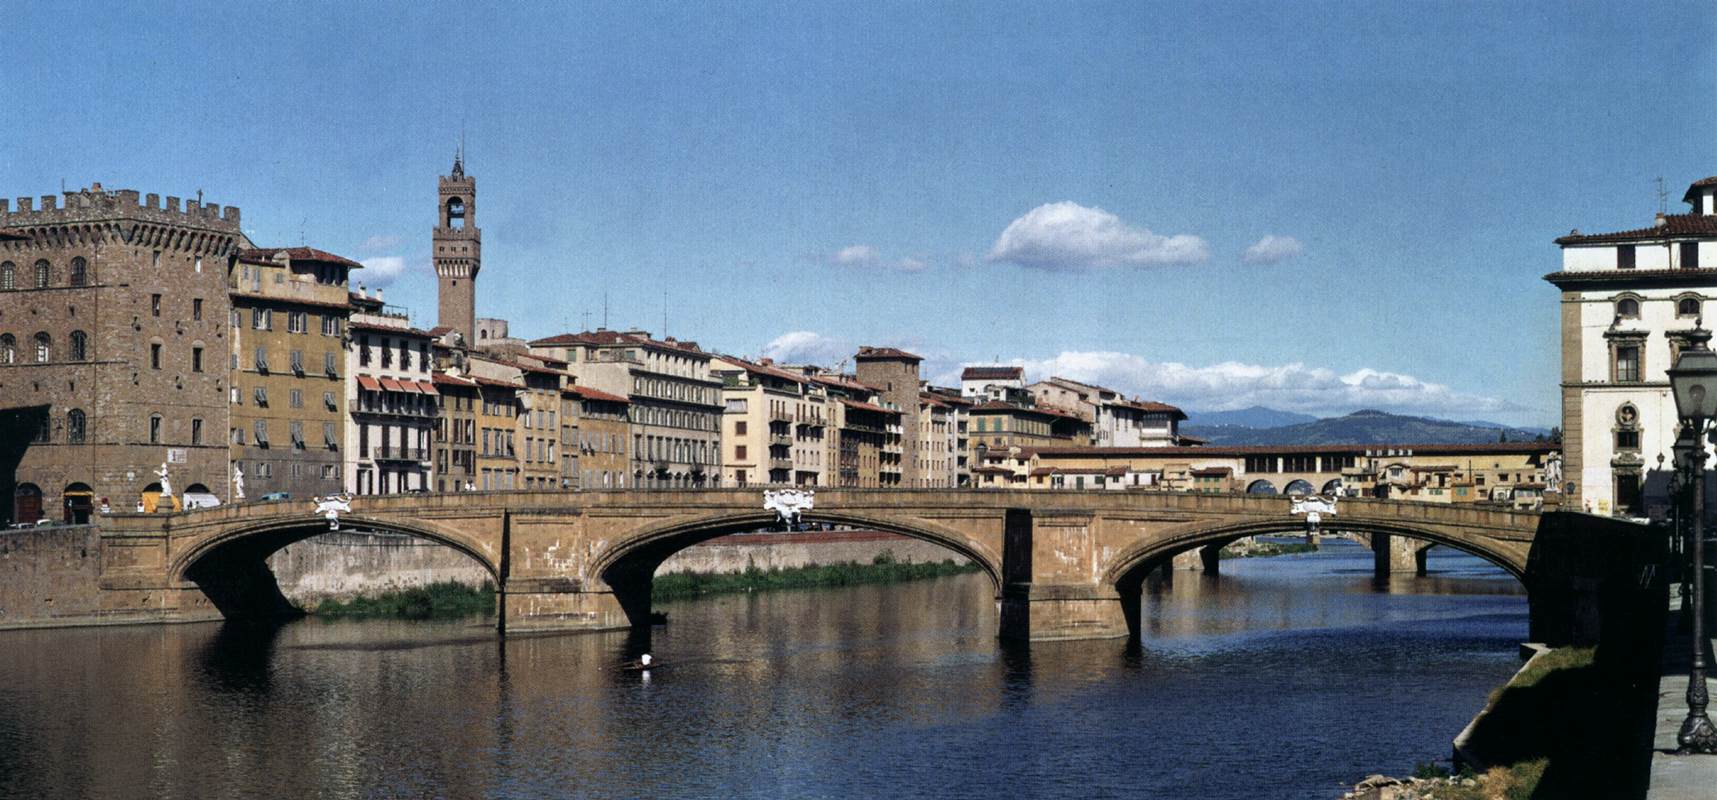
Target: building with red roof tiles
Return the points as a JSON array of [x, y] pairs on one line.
[[1115, 420], [1629, 298], [893, 374], [775, 425]]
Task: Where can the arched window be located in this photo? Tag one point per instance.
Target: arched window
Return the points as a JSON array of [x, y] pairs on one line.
[[8, 349], [455, 213], [44, 274], [80, 272], [1627, 308], [75, 426], [44, 347], [80, 346], [8, 276], [1687, 307]]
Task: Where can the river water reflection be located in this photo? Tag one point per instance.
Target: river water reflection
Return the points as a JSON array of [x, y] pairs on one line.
[[1281, 679]]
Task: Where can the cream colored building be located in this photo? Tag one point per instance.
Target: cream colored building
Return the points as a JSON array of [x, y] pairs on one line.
[[1627, 298], [775, 425]]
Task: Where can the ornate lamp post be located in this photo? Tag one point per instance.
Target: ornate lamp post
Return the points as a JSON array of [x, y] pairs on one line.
[[1693, 380], [1681, 486]]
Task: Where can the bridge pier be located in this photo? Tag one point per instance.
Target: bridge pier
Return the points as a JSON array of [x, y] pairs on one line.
[[1211, 558], [1393, 554], [560, 604]]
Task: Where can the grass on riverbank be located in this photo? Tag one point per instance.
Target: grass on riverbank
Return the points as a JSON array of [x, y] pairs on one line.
[[1266, 549], [446, 600], [882, 569], [1563, 727]]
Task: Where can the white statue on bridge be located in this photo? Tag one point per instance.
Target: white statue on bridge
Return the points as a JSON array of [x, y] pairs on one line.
[[788, 503], [332, 506], [238, 482], [166, 485], [1314, 506]]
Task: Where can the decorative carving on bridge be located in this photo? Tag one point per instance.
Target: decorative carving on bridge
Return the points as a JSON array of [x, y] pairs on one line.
[[788, 503], [1314, 506], [331, 507]]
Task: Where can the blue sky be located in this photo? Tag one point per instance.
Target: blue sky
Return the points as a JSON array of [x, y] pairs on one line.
[[1312, 206]]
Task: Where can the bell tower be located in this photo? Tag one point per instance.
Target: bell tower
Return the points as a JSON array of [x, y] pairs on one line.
[[458, 250]]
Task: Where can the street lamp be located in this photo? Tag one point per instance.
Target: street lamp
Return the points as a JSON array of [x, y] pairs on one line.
[[1693, 381], [1681, 485]]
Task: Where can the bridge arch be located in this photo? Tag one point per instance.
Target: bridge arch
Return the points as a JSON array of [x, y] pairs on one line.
[[231, 566], [1260, 486], [1128, 568], [654, 545]]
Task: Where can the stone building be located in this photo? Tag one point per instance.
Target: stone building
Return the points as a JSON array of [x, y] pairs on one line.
[[289, 312], [936, 448], [1115, 420], [456, 433], [1628, 298], [996, 425], [991, 382], [392, 400], [674, 404], [893, 374], [113, 315], [598, 434]]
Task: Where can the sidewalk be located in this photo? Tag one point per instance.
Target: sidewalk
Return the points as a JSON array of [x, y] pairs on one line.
[[1676, 777]]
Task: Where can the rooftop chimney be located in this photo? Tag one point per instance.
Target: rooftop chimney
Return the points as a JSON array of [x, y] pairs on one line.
[[1660, 220]]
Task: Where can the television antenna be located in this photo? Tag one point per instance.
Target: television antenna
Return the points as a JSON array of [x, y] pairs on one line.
[[1662, 197]]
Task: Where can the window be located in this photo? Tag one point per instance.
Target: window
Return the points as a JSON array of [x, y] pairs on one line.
[[328, 401], [329, 366], [1690, 255], [1627, 440], [80, 346], [75, 426], [1627, 363], [328, 436], [44, 347], [295, 398], [8, 349], [261, 359], [196, 308], [154, 428], [330, 325], [739, 452], [297, 432], [739, 428], [80, 272], [44, 274], [196, 431], [262, 433], [238, 436], [1687, 307], [197, 358], [1627, 308], [8, 276], [296, 357], [297, 322], [364, 350], [154, 355], [1625, 257], [154, 305], [260, 394]]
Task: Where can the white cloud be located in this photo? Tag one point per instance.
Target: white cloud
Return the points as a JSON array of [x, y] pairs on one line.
[[381, 270], [1069, 236], [858, 255], [807, 347], [1288, 387], [378, 243], [1272, 250], [864, 255]]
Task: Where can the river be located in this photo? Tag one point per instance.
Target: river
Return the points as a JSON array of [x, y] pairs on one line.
[[1283, 678]]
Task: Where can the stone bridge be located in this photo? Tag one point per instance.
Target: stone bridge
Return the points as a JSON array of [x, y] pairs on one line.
[[1064, 565]]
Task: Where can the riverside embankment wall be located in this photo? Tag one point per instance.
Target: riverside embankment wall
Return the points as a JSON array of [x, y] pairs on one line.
[[785, 550], [50, 577]]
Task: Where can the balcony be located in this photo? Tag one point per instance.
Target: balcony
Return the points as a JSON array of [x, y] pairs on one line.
[[780, 415], [780, 463], [781, 439], [400, 454]]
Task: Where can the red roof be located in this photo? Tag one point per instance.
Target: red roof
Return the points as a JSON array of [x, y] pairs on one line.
[[440, 331], [1674, 226], [391, 385], [445, 379], [265, 255], [291, 301], [867, 407], [427, 388], [402, 328], [765, 369], [593, 394], [882, 353], [1698, 184], [997, 405], [992, 373], [1151, 407], [1211, 472], [607, 337], [482, 381], [367, 382]]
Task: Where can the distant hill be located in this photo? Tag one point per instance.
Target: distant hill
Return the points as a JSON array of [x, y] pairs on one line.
[[1363, 427], [1254, 417]]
